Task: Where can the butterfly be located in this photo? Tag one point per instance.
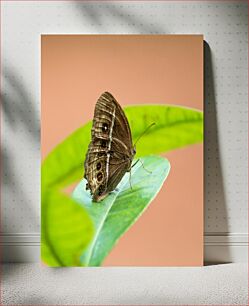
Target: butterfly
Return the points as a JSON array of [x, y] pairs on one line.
[[110, 152]]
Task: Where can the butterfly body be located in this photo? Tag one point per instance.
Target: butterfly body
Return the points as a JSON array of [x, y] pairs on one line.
[[110, 152]]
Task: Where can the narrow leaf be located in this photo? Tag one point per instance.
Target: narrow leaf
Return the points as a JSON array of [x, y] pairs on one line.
[[175, 127], [115, 214]]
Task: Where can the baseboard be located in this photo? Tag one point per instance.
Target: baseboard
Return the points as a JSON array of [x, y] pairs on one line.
[[225, 247], [218, 247], [20, 247]]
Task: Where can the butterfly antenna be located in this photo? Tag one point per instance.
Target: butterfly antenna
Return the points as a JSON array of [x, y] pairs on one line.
[[130, 180], [144, 132]]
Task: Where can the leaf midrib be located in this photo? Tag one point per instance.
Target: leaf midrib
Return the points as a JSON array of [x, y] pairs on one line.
[[105, 217]]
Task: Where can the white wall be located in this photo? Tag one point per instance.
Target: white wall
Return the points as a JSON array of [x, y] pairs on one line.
[[224, 25]]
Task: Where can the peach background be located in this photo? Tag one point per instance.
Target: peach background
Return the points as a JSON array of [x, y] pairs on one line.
[[76, 69]]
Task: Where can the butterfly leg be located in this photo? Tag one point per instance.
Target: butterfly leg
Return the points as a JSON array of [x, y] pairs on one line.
[[135, 163], [142, 166], [130, 179]]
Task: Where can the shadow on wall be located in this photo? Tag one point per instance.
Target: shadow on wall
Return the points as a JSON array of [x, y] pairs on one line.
[[110, 13], [19, 111], [21, 118], [215, 200]]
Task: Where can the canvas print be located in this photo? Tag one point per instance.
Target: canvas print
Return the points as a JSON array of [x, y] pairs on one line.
[[122, 150]]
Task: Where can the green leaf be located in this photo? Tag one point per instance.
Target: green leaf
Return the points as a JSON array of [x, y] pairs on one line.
[[115, 214], [175, 127], [66, 229], [65, 164]]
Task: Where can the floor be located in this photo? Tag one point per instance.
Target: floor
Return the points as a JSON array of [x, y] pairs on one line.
[[34, 284]]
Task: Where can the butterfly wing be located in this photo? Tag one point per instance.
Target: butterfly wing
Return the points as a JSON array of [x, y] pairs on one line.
[[110, 152]]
